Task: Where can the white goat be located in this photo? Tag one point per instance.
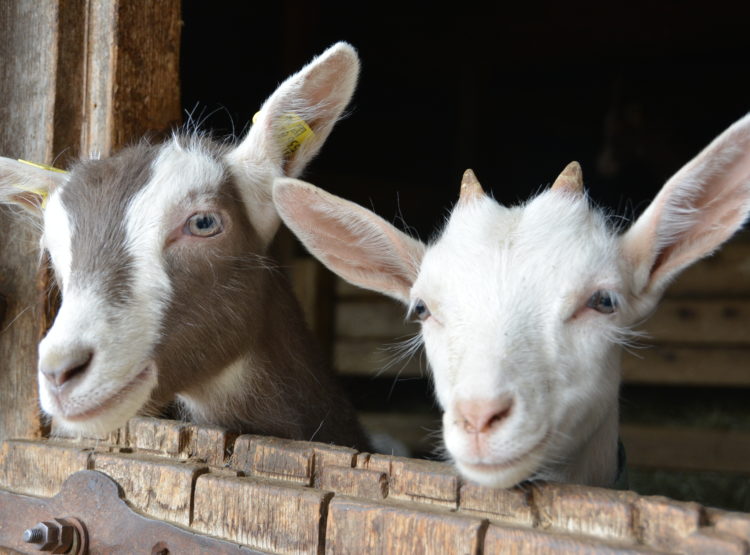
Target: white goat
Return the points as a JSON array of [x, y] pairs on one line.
[[522, 309], [159, 252]]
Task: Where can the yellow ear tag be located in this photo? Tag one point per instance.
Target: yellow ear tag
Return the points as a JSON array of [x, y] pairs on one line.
[[293, 131], [43, 193]]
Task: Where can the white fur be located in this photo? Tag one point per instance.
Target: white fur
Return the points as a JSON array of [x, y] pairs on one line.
[[527, 373]]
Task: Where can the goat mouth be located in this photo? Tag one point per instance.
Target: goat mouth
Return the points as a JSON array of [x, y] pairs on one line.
[[507, 464], [113, 400]]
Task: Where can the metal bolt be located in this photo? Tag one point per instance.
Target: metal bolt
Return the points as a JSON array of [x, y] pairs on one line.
[[33, 535], [56, 536]]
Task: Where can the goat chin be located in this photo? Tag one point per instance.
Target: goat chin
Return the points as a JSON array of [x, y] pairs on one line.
[[102, 417]]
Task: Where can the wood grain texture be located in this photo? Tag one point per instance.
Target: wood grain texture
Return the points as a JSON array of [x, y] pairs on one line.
[[170, 437], [521, 541], [156, 487], [354, 482], [280, 459], [506, 506], [263, 514], [359, 526], [416, 480], [577, 510], [132, 82], [663, 523], [39, 467], [28, 50]]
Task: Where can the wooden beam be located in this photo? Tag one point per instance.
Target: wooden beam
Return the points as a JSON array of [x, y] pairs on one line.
[[687, 448]]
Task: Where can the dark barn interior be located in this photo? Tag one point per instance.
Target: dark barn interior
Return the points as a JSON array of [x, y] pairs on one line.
[[631, 91]]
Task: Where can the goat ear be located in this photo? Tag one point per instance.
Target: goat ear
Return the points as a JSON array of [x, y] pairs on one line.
[[351, 241], [294, 123], [27, 185], [698, 209]]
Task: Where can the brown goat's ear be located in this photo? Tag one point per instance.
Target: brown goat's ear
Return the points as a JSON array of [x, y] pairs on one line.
[[698, 209], [293, 124], [28, 185], [351, 241]]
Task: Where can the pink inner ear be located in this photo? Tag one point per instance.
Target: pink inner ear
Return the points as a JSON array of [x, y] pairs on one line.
[[702, 206], [351, 241]]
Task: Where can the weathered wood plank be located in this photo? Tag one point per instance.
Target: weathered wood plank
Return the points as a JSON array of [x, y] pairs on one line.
[[663, 523], [157, 487], [133, 72], [682, 365], [39, 467], [506, 506], [578, 510], [28, 50], [263, 514], [520, 541], [427, 482], [355, 482], [359, 526], [687, 448]]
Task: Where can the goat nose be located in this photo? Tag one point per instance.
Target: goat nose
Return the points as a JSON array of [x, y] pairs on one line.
[[481, 415], [68, 367]]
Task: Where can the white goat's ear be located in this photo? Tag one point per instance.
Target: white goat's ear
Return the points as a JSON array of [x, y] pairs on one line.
[[293, 124], [356, 244], [698, 209], [27, 185]]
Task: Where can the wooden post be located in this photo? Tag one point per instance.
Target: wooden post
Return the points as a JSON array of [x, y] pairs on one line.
[[76, 77]]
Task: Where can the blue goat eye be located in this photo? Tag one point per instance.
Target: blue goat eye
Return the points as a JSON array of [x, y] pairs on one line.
[[602, 301], [204, 224], [419, 311]]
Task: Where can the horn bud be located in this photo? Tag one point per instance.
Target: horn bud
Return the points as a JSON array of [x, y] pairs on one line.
[[470, 187], [570, 180]]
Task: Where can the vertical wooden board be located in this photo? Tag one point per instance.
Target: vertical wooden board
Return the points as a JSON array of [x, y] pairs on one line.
[[147, 91], [359, 526], [262, 514], [522, 541], [211, 444], [28, 50], [423, 481], [355, 482], [511, 506], [664, 523], [170, 437], [276, 458], [337, 455], [39, 467], [579, 510], [157, 487]]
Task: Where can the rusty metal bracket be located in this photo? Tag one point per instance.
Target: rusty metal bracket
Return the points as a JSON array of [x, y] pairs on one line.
[[105, 523]]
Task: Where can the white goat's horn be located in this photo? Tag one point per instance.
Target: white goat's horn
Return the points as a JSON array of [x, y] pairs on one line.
[[570, 180], [470, 187]]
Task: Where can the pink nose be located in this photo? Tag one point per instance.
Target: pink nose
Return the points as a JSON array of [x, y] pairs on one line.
[[479, 416], [74, 364]]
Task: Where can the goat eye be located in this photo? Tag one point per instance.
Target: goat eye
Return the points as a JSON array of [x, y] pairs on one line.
[[602, 301], [419, 311], [203, 224]]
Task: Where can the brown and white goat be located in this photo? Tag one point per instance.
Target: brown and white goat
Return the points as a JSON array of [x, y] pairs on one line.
[[522, 309], [159, 252]]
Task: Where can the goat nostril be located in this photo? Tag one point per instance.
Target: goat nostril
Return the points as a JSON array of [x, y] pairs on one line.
[[67, 372], [481, 416]]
